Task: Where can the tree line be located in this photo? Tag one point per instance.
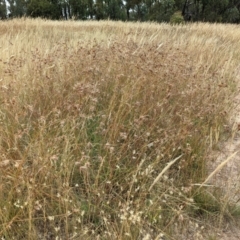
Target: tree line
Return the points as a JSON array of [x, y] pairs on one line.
[[227, 11]]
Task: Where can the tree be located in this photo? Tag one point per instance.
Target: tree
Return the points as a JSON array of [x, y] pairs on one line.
[[231, 15], [139, 10], [3, 9], [214, 10], [90, 9], [162, 11], [129, 5], [66, 9], [17, 8], [44, 8], [114, 9], [78, 8], [100, 9]]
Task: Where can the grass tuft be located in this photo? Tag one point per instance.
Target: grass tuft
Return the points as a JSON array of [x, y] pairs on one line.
[[106, 127]]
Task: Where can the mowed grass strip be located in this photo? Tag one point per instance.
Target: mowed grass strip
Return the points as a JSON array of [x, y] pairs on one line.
[[93, 116]]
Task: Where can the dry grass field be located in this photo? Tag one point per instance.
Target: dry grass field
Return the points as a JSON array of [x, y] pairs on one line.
[[106, 128]]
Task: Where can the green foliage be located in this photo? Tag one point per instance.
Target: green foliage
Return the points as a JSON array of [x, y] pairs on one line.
[[3, 9], [140, 10], [79, 8], [43, 8], [207, 202], [114, 9], [177, 18], [162, 11], [17, 8], [100, 10], [214, 10], [231, 15]]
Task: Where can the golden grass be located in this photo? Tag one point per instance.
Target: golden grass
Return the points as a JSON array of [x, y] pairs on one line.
[[92, 113]]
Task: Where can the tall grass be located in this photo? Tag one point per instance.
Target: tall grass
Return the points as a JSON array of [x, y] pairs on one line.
[[105, 127]]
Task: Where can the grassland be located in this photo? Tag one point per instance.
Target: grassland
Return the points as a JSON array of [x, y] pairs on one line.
[[106, 128]]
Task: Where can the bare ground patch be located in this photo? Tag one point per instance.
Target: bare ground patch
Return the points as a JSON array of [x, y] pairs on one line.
[[228, 177]]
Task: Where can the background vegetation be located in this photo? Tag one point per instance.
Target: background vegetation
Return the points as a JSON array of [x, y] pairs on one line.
[[106, 128], [226, 11]]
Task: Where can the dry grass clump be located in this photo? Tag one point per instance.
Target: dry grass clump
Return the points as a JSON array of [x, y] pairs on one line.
[[92, 116]]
